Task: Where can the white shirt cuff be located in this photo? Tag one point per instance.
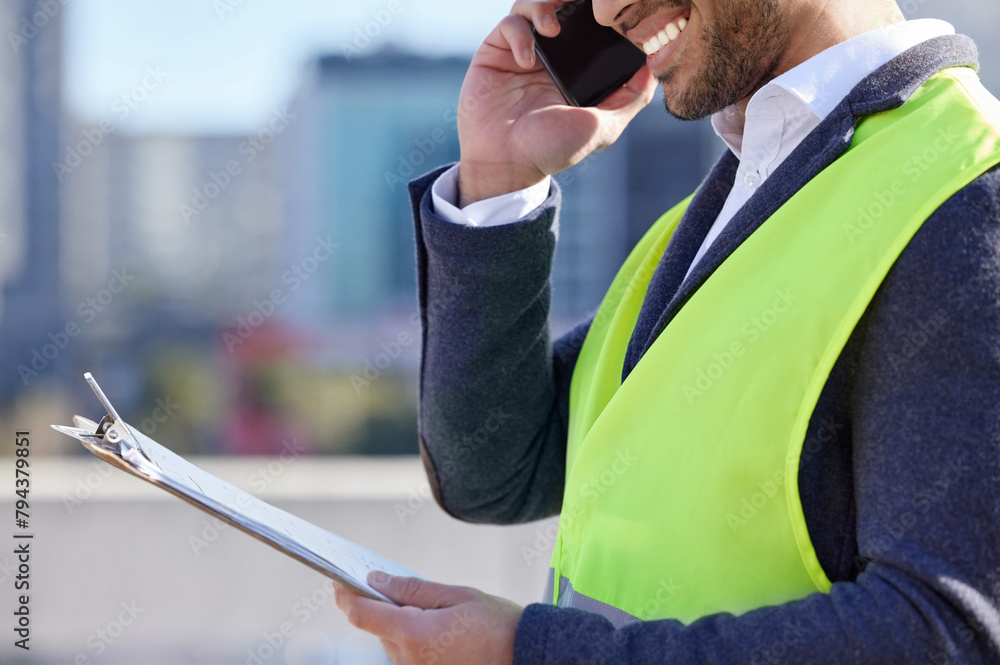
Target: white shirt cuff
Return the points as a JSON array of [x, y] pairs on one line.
[[502, 209]]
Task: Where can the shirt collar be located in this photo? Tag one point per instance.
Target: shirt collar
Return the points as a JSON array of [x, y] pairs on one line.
[[819, 84]]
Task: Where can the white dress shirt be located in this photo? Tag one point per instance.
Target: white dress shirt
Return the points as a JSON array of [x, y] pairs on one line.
[[778, 117]]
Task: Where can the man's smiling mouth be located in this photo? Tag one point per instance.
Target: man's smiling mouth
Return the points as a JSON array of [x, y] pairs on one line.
[[665, 36]]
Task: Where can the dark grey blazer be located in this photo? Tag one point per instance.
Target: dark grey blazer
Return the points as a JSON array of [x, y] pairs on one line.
[[900, 481]]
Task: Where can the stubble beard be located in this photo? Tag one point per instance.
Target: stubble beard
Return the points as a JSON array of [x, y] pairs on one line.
[[742, 50]]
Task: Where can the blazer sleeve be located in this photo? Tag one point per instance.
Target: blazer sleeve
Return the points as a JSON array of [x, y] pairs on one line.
[[494, 389]]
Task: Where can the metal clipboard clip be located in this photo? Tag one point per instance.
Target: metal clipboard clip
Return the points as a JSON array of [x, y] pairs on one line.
[[111, 436], [123, 446]]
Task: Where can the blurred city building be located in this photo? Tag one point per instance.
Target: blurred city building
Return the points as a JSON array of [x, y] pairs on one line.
[[30, 114], [369, 125]]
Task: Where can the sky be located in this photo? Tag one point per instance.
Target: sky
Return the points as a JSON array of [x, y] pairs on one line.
[[223, 66]]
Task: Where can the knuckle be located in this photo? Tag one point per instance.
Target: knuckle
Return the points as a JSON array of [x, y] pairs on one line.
[[410, 587], [514, 23]]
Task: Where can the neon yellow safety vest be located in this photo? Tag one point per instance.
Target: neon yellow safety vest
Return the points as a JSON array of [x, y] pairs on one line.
[[681, 495]]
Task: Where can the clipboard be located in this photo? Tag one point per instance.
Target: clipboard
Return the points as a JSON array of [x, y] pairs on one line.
[[125, 447]]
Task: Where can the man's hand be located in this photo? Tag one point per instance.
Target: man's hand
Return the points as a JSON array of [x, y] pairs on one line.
[[514, 126], [438, 625]]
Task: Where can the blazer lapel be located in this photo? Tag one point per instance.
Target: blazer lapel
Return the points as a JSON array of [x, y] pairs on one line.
[[681, 250]]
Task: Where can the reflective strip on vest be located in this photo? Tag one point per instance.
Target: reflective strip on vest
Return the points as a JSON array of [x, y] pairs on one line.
[[685, 476], [570, 597]]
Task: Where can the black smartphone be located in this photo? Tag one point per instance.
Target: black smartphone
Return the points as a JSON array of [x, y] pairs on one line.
[[588, 61]]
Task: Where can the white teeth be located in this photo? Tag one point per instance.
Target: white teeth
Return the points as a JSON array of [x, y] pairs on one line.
[[665, 36]]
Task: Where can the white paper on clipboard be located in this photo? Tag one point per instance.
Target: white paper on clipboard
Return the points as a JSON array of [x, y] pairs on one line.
[[125, 447]]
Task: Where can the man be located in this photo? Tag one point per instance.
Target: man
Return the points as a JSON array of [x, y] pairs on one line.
[[778, 439]]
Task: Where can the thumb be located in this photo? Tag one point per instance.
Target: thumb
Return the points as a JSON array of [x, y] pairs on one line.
[[621, 107], [417, 592], [634, 95]]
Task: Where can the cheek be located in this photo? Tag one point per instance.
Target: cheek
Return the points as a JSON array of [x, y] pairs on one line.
[[693, 38], [690, 52]]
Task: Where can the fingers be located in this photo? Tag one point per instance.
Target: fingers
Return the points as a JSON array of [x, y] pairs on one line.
[[417, 592], [396, 624], [515, 30], [515, 33], [541, 14], [372, 616]]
